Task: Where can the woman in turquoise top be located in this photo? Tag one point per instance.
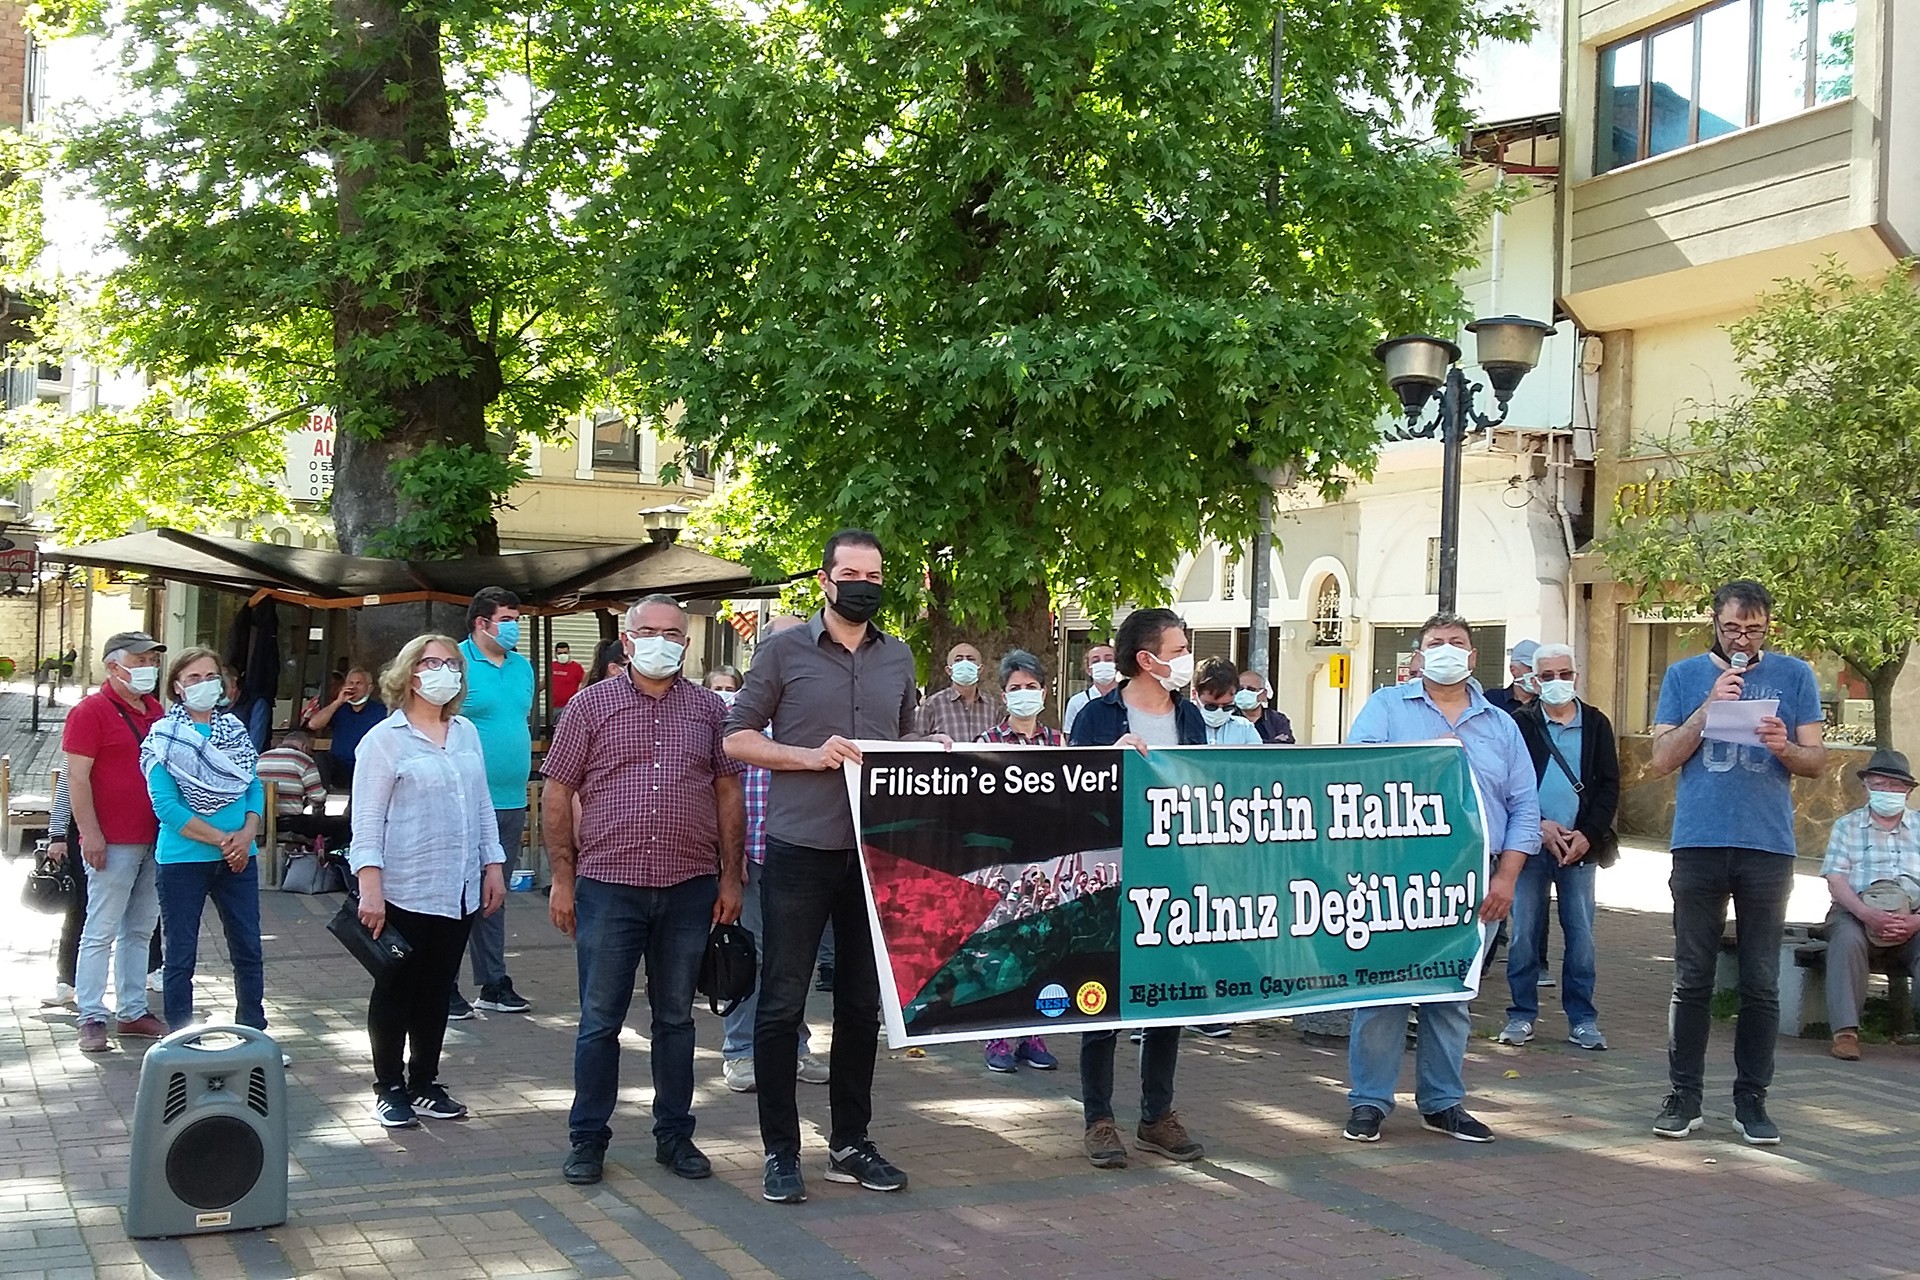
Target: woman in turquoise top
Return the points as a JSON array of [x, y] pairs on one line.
[[199, 766]]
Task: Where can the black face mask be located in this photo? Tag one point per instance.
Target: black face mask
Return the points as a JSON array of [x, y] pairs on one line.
[[856, 601]]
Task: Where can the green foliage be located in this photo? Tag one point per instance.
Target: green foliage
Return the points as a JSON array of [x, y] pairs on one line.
[[998, 278], [1810, 481], [449, 490]]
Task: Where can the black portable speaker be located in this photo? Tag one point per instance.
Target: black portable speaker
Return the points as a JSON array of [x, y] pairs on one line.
[[209, 1134]]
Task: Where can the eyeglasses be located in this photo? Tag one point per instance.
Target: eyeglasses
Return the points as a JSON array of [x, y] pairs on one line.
[[1743, 633], [670, 633], [436, 664]]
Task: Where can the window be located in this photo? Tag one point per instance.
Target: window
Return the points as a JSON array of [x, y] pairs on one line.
[[1723, 67], [699, 463], [615, 444], [1329, 620], [1433, 566]]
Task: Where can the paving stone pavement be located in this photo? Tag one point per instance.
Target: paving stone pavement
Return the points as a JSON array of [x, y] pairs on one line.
[[1577, 1184]]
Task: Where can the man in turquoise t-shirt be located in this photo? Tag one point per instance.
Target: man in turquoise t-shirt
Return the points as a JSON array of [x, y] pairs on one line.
[[500, 703]]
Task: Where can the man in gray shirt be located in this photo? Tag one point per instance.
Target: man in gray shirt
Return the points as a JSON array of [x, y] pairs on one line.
[[822, 687]]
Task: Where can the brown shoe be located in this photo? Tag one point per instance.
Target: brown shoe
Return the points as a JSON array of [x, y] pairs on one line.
[[1169, 1137], [144, 1027], [93, 1037], [1846, 1046], [1104, 1146]]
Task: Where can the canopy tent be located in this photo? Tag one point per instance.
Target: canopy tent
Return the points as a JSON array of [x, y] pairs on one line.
[[563, 581]]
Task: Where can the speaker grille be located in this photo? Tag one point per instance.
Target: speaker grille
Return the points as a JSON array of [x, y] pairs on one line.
[[214, 1162], [176, 1098], [257, 1090]]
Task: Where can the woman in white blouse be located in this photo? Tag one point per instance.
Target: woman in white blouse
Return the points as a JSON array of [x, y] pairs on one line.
[[426, 851]]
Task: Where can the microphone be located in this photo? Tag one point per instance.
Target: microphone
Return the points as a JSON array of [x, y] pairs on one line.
[[1739, 661]]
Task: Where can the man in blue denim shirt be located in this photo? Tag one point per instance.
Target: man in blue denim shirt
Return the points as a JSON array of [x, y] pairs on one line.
[[1732, 841], [1443, 703]]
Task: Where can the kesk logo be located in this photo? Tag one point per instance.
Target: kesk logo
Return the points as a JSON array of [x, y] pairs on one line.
[[1052, 1000], [1092, 997]]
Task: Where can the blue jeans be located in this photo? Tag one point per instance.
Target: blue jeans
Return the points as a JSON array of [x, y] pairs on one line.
[[1574, 886], [617, 926], [1159, 1055], [737, 1037], [487, 947], [1378, 1044], [123, 904], [184, 890], [803, 890], [1703, 882]]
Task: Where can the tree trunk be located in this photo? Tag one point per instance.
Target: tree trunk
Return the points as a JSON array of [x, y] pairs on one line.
[[390, 91], [1880, 682]]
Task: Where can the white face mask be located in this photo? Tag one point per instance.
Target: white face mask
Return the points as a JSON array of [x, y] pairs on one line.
[[1104, 672], [1556, 693], [1445, 664], [1216, 716], [1247, 699], [1888, 804], [360, 701], [202, 696], [965, 673], [440, 686], [1025, 703], [656, 657], [1180, 674], [727, 695], [143, 679]]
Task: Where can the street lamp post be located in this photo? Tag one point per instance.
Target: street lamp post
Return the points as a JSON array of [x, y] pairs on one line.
[[1418, 366]]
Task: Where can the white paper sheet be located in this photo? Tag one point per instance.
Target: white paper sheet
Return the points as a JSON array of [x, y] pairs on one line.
[[1739, 721]]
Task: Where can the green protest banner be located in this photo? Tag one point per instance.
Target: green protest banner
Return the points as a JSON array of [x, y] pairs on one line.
[[1022, 890]]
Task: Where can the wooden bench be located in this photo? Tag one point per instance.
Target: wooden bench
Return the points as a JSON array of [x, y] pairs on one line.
[[1803, 979], [27, 816]]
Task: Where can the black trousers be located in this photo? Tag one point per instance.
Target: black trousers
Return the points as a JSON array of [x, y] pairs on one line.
[[408, 1009]]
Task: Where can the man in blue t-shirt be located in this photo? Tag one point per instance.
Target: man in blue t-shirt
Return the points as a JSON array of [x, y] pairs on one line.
[[500, 703], [1732, 841]]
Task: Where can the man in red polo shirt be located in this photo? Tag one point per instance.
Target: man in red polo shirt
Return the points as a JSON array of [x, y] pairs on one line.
[[656, 863], [117, 828]]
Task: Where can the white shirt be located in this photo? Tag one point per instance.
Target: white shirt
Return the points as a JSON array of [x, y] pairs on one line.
[[1074, 704], [423, 815]]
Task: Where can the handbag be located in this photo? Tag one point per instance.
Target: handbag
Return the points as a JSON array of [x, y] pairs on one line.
[[1605, 851], [313, 873], [380, 956], [730, 969], [51, 887]]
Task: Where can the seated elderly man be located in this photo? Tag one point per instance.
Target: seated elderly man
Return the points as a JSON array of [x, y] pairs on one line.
[[1873, 871]]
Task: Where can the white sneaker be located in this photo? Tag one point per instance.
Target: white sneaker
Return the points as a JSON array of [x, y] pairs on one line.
[[62, 994], [156, 980], [738, 1074], [813, 1070]]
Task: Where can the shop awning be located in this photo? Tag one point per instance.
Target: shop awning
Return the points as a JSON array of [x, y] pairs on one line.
[[561, 581]]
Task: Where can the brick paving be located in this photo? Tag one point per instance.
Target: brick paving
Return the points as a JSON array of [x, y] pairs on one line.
[[1577, 1184]]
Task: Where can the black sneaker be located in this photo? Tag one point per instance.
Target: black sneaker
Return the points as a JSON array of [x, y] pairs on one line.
[[685, 1159], [1364, 1124], [826, 978], [500, 997], [861, 1163], [782, 1183], [392, 1109], [1750, 1118], [1678, 1117], [458, 1010], [1456, 1123], [583, 1166], [436, 1103]]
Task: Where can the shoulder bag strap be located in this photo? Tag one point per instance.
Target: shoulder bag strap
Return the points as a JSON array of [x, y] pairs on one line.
[[1546, 732]]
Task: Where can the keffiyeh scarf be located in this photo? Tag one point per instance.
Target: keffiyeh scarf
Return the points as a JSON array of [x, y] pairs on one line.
[[210, 772]]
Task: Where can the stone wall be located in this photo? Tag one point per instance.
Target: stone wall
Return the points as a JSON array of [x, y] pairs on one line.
[[1646, 804]]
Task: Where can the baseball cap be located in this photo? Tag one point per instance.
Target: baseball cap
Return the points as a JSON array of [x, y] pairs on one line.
[[130, 642], [1523, 652]]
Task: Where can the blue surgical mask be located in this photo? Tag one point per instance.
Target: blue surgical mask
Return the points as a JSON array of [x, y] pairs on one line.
[[1247, 699], [1445, 664], [508, 633], [1023, 703], [1888, 804], [1216, 717], [1556, 693], [965, 672]]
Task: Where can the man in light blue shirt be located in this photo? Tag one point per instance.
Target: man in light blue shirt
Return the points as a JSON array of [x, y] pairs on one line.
[[499, 702], [1443, 703], [1215, 681]]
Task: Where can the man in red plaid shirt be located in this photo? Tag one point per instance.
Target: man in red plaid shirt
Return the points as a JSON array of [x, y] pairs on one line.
[[656, 863]]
